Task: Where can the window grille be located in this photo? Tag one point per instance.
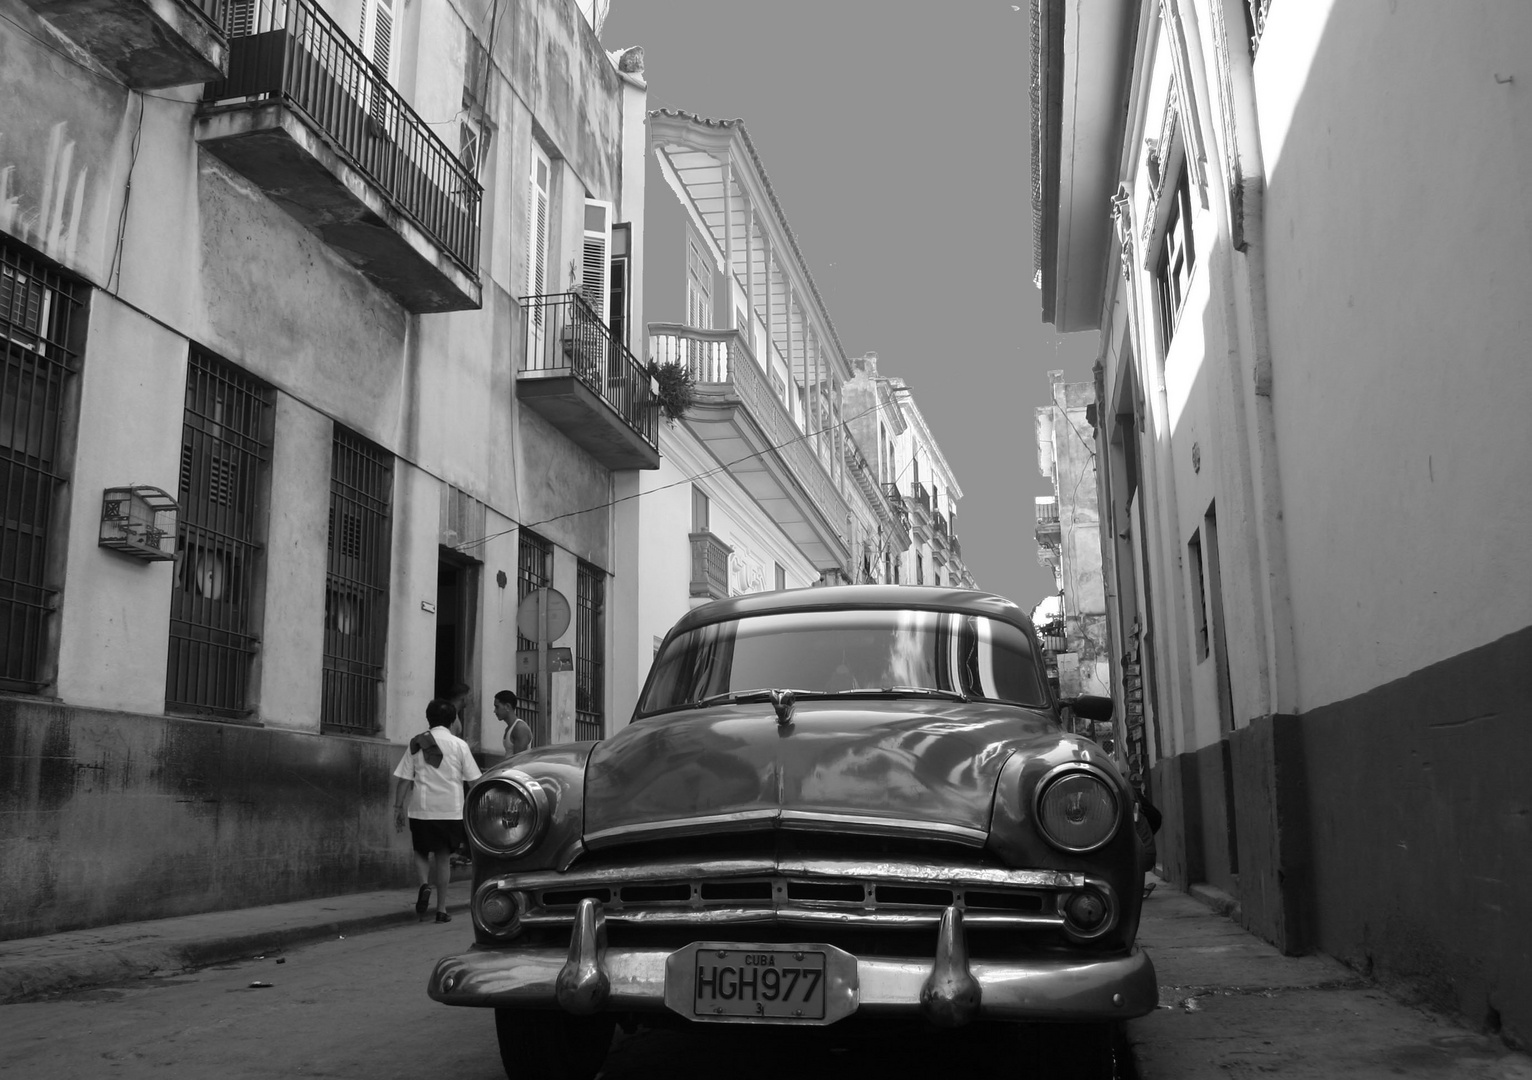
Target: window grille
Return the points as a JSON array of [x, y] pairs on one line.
[[356, 584], [590, 653], [38, 308], [225, 451], [534, 570]]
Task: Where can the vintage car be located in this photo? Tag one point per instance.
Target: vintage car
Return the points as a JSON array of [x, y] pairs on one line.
[[831, 805]]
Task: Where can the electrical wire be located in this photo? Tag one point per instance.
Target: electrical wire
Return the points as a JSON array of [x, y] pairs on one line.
[[114, 275], [466, 544]]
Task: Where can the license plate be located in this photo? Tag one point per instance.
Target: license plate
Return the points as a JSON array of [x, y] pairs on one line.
[[759, 982], [768, 983]]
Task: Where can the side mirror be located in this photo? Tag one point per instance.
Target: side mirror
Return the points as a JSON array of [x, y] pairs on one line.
[[1090, 706]]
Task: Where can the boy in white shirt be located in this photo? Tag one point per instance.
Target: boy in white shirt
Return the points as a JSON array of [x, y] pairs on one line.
[[432, 776]]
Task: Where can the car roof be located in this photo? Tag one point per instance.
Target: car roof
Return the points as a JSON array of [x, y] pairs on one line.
[[850, 597]]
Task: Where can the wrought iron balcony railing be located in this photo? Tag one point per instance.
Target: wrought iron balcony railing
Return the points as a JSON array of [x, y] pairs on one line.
[[920, 498], [564, 334], [290, 50]]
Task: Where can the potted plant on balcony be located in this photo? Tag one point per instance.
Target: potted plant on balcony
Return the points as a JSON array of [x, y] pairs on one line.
[[677, 389]]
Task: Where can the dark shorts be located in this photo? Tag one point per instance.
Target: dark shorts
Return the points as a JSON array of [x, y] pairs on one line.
[[428, 836]]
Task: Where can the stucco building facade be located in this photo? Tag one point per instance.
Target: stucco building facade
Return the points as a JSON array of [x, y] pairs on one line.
[[349, 287], [1068, 536], [758, 487], [1311, 402]]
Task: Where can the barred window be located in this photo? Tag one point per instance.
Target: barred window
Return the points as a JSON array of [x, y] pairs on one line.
[[356, 584], [590, 653], [225, 453], [534, 570], [39, 325]]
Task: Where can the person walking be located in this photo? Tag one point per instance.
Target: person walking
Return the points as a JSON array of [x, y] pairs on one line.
[[518, 733], [428, 793]]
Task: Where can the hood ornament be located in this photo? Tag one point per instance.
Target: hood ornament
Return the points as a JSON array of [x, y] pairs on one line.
[[783, 701]]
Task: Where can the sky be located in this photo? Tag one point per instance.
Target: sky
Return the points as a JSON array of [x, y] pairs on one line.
[[896, 138]]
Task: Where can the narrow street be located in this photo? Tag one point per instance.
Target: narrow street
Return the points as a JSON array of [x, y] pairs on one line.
[[356, 1008]]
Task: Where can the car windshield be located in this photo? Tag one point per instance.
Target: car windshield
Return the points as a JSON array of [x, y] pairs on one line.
[[868, 652]]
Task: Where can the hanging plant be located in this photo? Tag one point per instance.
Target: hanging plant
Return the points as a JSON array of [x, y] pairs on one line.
[[677, 389]]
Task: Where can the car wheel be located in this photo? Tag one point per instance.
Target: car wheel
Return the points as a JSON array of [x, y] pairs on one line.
[[552, 1045]]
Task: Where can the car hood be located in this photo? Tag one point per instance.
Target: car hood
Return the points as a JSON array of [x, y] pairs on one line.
[[879, 767]]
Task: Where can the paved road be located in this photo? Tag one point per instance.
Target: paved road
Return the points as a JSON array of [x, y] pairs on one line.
[[355, 1008]]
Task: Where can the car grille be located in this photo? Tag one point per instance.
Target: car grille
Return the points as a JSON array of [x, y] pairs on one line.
[[890, 894]]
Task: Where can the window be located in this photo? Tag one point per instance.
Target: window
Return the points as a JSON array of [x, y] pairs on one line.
[[379, 43], [595, 256], [834, 652], [538, 186], [590, 652], [226, 441], [534, 570], [1173, 270], [699, 285], [473, 144], [356, 584], [377, 36], [618, 313], [1199, 594], [537, 248], [701, 510], [920, 569], [781, 577], [37, 334]]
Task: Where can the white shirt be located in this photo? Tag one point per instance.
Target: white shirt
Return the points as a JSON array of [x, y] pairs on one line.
[[438, 791], [510, 729]]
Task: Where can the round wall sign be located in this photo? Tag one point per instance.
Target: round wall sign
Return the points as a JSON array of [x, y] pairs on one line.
[[528, 616]]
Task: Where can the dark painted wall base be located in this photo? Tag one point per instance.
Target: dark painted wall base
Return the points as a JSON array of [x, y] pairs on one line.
[[1392, 830], [110, 817]]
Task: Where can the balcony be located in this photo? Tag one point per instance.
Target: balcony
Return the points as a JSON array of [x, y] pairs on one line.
[[920, 502], [748, 428], [586, 383], [148, 44], [1047, 532], [305, 116], [710, 566], [894, 518]]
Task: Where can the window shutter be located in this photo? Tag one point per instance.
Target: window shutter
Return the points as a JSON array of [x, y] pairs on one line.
[[537, 225], [378, 35], [596, 254], [239, 18]]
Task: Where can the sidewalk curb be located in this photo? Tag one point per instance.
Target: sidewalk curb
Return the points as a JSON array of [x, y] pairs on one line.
[[1219, 901], [26, 979]]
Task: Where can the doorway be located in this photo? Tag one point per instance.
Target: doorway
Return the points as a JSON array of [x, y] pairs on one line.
[[457, 611]]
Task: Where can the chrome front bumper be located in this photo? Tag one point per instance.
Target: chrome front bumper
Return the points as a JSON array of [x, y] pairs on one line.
[[949, 989]]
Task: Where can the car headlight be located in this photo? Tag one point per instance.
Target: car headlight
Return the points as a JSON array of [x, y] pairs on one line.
[[1077, 809], [507, 816]]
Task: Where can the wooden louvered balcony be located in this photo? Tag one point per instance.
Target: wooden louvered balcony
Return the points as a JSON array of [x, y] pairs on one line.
[[305, 115], [743, 422], [710, 566]]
